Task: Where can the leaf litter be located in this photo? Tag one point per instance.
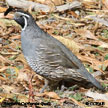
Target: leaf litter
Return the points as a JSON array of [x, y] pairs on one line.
[[83, 31]]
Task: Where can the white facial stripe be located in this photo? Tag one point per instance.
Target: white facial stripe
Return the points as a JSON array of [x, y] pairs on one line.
[[25, 22], [23, 14]]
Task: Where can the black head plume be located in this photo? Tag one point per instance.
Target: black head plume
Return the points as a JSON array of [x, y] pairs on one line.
[[9, 10]]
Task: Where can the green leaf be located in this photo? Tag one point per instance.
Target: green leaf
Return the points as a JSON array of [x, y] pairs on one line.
[[1, 89], [56, 32], [12, 73], [104, 85], [77, 96], [20, 67], [12, 57], [105, 33], [18, 47], [91, 13], [106, 57], [103, 67], [97, 54], [15, 98], [73, 88], [91, 70], [100, 48], [2, 74]]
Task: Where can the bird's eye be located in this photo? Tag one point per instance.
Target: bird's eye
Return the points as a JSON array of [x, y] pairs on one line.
[[21, 16]]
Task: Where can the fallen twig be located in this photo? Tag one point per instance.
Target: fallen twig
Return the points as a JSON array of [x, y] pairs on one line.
[[24, 4]]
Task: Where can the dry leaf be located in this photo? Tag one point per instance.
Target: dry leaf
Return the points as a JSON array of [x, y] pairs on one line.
[[1, 78], [95, 42], [58, 2], [3, 68], [103, 44], [2, 99], [5, 60], [55, 2], [51, 95], [7, 95], [15, 37], [97, 96], [94, 62], [86, 33], [78, 103], [71, 44], [2, 9], [89, 3], [22, 98], [22, 76], [9, 16], [21, 58], [105, 2], [10, 89]]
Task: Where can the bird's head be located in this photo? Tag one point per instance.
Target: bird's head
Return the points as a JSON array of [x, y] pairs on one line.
[[23, 19]]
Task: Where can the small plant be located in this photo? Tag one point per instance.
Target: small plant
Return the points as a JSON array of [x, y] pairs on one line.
[[12, 57], [100, 48], [11, 72], [106, 57], [56, 32], [102, 67], [77, 96], [105, 33], [91, 13], [15, 98], [97, 54], [90, 69], [20, 67], [18, 47], [105, 86], [1, 89], [73, 88]]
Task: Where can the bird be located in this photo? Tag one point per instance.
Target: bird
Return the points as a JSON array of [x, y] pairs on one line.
[[48, 57]]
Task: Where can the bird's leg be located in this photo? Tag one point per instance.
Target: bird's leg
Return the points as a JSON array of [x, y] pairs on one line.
[[63, 86], [45, 86], [31, 95]]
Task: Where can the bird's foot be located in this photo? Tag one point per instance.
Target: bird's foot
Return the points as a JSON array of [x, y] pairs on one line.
[[44, 87]]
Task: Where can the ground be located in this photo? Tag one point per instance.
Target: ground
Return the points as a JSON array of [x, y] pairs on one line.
[[84, 31]]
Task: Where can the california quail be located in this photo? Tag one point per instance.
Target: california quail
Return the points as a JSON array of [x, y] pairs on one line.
[[48, 57]]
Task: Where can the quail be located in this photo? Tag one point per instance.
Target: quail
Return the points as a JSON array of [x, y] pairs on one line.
[[48, 57]]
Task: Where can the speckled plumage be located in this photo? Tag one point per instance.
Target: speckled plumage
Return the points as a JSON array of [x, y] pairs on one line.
[[50, 58]]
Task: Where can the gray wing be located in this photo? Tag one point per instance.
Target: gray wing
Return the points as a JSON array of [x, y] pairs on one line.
[[55, 53]]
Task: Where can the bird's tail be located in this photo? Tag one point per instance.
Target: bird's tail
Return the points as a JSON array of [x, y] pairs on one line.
[[84, 75], [90, 78]]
